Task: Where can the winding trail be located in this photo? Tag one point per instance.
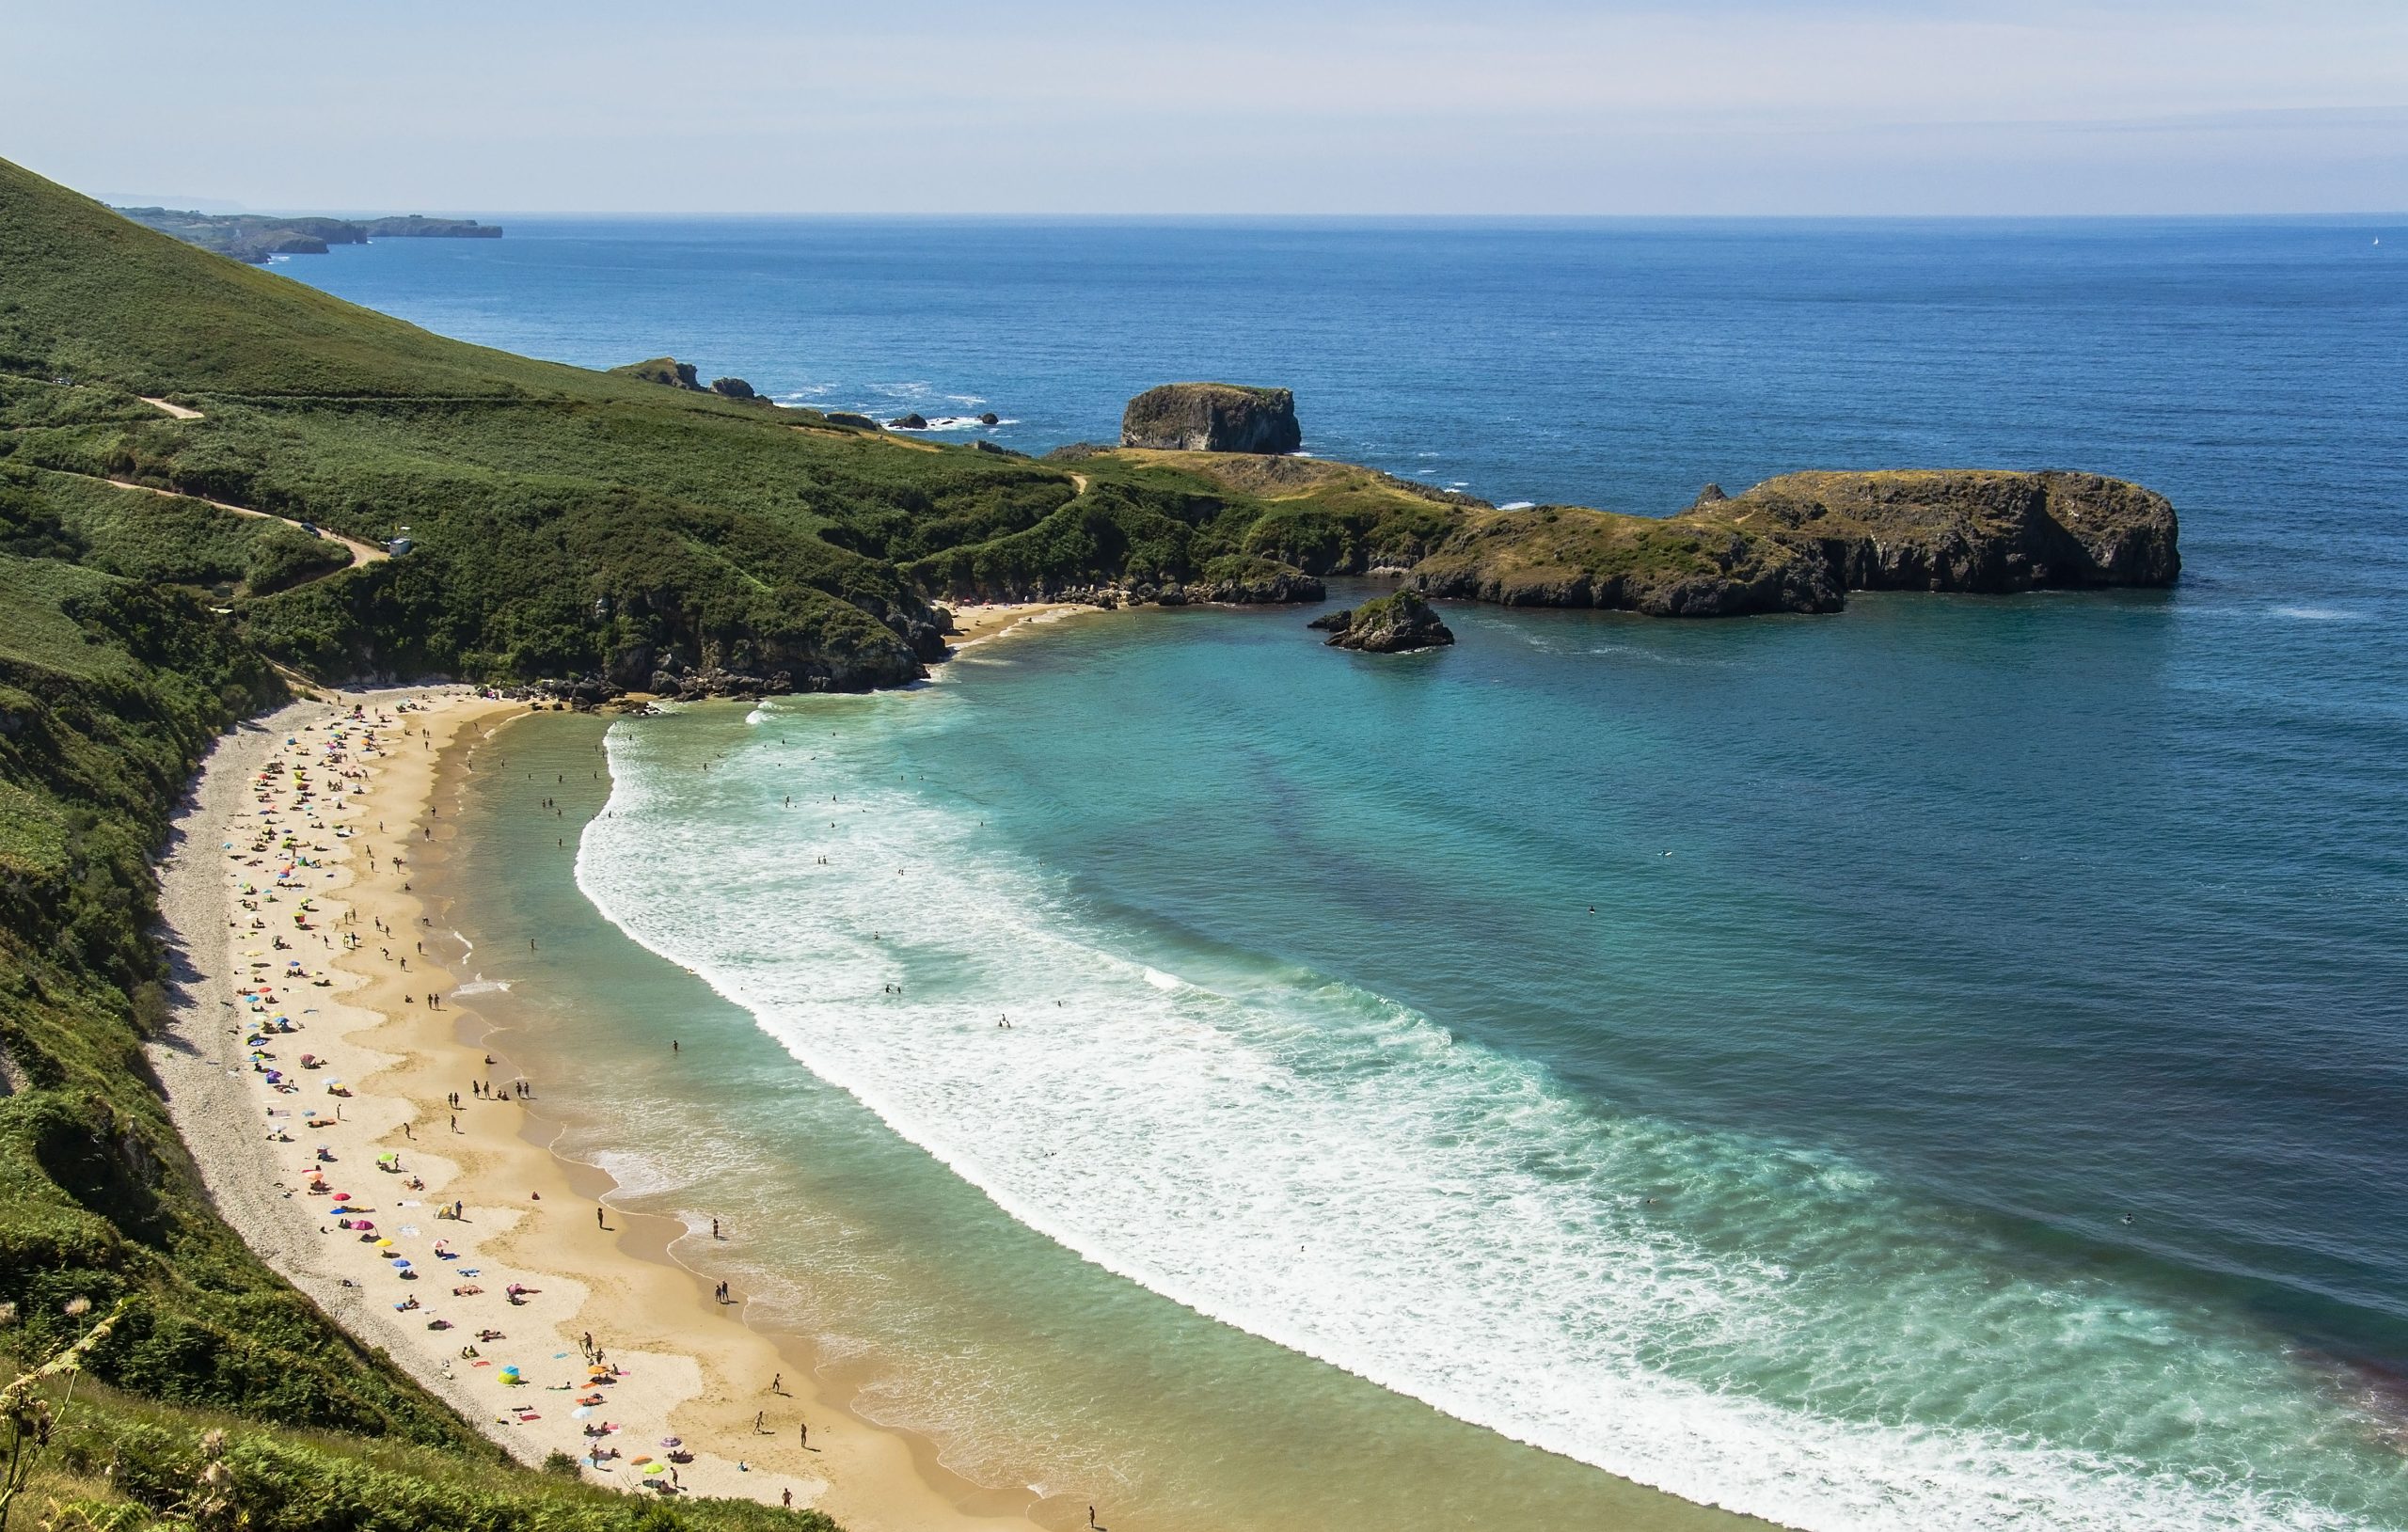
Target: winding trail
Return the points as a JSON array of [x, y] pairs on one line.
[[361, 553]]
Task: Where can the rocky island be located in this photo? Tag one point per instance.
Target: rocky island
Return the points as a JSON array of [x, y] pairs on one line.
[[1393, 624], [1212, 417]]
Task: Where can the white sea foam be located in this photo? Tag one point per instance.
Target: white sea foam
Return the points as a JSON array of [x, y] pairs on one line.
[[964, 422], [1337, 1173], [2317, 614], [1517, 505], [482, 986]]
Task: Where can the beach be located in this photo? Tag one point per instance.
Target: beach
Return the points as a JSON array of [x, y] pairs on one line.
[[979, 622], [322, 1077]]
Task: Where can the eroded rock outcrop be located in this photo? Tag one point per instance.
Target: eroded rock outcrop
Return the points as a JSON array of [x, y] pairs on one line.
[[1967, 529], [1255, 582], [1801, 542], [1393, 624], [1212, 417], [666, 371]]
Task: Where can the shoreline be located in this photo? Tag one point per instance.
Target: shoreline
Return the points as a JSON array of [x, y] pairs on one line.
[[684, 1373], [985, 622]]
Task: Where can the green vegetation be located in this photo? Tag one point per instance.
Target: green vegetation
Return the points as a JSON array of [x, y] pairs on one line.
[[166, 539], [116, 1462], [110, 689]]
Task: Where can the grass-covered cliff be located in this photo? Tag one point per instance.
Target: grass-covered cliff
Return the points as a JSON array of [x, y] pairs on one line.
[[111, 689]]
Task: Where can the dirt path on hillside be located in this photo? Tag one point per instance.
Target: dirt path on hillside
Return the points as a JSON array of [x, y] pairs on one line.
[[361, 553]]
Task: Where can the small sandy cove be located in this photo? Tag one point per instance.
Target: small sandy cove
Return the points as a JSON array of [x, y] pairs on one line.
[[313, 1070]]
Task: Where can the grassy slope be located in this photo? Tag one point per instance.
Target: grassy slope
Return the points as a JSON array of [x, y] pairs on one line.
[[565, 520], [110, 688]]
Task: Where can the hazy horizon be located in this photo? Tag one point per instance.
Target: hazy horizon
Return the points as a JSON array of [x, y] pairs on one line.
[[1816, 109]]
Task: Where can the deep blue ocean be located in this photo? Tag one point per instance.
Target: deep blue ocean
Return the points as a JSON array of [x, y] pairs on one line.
[[1944, 1064]]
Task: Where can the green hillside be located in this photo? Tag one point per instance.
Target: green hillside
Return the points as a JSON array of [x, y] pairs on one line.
[[565, 521]]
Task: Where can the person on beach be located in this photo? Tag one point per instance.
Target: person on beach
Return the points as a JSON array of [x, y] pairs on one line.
[[802, 1434]]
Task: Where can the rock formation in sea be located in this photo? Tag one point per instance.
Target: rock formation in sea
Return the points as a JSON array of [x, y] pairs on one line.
[[913, 422], [1393, 624], [1801, 542], [1212, 417]]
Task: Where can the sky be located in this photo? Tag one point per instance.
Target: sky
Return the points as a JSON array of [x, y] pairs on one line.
[[1834, 107]]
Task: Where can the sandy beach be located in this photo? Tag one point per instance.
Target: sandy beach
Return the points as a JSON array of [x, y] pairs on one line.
[[341, 1106], [985, 621]]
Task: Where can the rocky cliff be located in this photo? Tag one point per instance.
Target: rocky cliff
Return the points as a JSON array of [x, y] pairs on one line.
[[1964, 529], [1801, 542], [1212, 417]]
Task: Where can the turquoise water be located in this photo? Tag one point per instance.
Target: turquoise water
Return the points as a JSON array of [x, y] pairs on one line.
[[1932, 942], [1790, 1180]]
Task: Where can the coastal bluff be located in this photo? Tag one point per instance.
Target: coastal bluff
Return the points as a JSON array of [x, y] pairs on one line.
[[1212, 417], [1801, 542], [252, 238]]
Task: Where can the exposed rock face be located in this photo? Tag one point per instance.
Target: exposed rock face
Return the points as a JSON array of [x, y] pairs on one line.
[[733, 389], [667, 370], [1969, 530], [1801, 542], [1390, 625], [1559, 556], [1257, 583], [926, 638], [913, 422], [1212, 417], [846, 418], [991, 417], [891, 649]]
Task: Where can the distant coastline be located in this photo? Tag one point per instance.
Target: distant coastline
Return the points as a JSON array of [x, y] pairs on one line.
[[252, 238]]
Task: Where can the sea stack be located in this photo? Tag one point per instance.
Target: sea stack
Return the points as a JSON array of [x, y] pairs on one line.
[[1390, 625], [1212, 417]]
